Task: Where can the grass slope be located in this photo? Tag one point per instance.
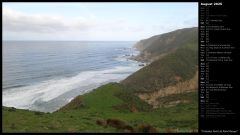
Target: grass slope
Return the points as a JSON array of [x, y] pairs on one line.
[[82, 114], [181, 63], [165, 43]]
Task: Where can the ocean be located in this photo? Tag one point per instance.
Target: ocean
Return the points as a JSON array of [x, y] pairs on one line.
[[46, 75]]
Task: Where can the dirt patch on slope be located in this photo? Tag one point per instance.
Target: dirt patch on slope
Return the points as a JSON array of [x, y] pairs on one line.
[[179, 88]]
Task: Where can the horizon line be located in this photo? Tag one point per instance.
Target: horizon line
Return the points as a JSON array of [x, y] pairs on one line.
[[77, 40]]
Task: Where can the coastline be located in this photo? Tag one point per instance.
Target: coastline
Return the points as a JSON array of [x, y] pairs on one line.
[[120, 102], [87, 89]]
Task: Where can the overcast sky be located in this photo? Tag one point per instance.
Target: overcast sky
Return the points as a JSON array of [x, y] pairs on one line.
[[95, 21]]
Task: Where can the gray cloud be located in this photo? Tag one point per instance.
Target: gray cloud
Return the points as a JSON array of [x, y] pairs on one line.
[[28, 26], [14, 21], [21, 22]]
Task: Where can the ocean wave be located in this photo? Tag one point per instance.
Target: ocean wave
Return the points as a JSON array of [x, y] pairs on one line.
[[28, 97], [14, 86]]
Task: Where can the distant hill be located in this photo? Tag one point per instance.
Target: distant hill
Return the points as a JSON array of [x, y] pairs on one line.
[[159, 45]]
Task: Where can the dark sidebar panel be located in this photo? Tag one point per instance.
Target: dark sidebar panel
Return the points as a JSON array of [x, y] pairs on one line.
[[218, 67]]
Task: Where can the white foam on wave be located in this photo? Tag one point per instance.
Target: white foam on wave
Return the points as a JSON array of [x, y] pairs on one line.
[[121, 58], [25, 97]]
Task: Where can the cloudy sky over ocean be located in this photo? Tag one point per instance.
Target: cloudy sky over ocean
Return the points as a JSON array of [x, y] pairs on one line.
[[95, 21]]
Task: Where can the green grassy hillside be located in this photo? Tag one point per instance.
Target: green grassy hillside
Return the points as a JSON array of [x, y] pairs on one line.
[[83, 114], [156, 46], [181, 63]]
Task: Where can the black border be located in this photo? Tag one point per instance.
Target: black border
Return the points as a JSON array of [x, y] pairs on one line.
[[198, 1]]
